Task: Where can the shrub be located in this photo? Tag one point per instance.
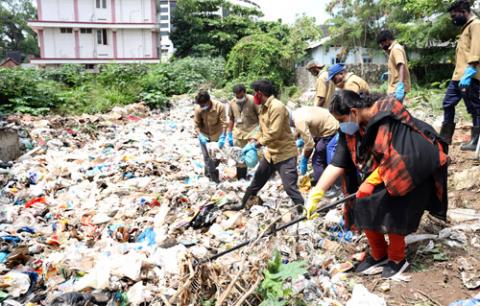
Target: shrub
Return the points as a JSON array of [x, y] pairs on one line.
[[25, 91], [259, 56], [70, 75]]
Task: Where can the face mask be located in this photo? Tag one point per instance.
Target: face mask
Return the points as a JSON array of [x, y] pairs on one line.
[[459, 21], [205, 107], [242, 100], [257, 99], [349, 128]]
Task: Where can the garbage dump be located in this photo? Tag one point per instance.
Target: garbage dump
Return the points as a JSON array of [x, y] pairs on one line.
[[114, 209]]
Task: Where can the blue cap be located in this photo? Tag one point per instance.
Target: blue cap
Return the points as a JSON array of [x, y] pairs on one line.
[[334, 70]]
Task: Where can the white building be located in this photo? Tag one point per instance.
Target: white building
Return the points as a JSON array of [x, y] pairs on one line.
[[96, 31], [322, 52], [167, 7]]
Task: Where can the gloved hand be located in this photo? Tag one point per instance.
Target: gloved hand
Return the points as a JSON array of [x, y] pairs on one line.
[[230, 139], [368, 186], [300, 143], [249, 147], [203, 139], [400, 91], [365, 190], [221, 141], [303, 165], [469, 73], [315, 196]]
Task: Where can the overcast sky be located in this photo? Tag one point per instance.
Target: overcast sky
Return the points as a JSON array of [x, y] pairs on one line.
[[288, 9]]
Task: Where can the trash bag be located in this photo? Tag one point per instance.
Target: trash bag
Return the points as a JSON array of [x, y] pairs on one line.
[[205, 216], [251, 159], [74, 299]]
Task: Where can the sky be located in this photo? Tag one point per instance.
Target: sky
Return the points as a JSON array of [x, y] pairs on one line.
[[287, 10]]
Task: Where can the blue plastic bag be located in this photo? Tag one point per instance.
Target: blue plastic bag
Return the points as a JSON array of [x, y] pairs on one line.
[[250, 158]]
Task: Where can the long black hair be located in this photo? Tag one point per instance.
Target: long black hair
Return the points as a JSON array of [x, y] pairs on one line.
[[343, 101]]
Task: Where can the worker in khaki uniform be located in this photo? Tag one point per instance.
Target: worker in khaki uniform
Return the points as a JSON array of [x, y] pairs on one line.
[[243, 115], [317, 128], [210, 125], [324, 88], [399, 83], [281, 152], [347, 80], [465, 83]]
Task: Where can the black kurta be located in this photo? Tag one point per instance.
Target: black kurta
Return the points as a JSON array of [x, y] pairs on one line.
[[412, 164]]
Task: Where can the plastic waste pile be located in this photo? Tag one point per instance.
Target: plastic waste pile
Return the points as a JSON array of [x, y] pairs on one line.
[[114, 209], [109, 208]]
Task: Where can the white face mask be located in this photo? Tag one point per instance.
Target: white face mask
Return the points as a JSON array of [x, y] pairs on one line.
[[242, 100], [205, 108]]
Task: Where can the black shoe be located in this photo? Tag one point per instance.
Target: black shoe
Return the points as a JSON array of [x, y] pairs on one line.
[[369, 265], [234, 207], [241, 173], [215, 176], [472, 145], [447, 131], [299, 208], [392, 269]]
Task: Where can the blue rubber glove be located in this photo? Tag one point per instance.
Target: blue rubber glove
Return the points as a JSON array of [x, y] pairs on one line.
[[203, 139], [249, 147], [221, 141], [300, 143], [469, 73], [303, 165], [230, 139], [400, 91]]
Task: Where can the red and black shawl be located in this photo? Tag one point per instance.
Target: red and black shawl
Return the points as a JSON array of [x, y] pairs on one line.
[[408, 153]]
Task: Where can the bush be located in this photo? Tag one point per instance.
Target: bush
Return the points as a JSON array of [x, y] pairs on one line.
[[70, 75], [25, 91], [259, 56], [71, 89]]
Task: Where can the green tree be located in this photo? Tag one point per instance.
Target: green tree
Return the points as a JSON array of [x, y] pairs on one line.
[[15, 35], [201, 30]]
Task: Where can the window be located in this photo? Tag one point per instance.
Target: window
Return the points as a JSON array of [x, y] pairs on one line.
[[86, 31], [102, 37], [164, 17], [101, 4], [367, 60], [65, 30], [164, 25], [164, 33], [164, 10]]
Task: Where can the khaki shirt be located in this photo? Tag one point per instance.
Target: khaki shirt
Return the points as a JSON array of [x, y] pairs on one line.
[[245, 118], [314, 122], [468, 48], [355, 83], [396, 57], [275, 132], [211, 123], [325, 89]]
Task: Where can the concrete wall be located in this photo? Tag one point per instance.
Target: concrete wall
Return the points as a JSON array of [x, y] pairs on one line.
[[131, 43], [59, 45], [327, 55], [371, 73], [10, 145], [119, 11]]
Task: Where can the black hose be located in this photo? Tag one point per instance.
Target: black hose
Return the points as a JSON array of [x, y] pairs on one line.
[[273, 231]]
